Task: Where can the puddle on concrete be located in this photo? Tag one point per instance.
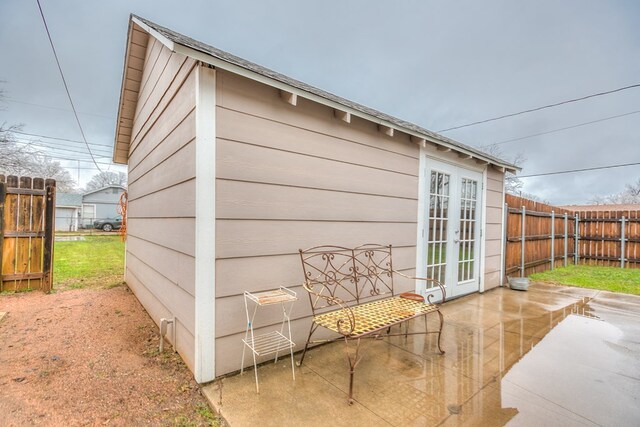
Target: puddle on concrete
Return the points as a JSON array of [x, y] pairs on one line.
[[581, 373], [567, 367], [69, 238], [545, 357]]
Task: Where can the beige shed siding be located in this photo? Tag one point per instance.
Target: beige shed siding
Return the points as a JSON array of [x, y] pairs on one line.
[[294, 177], [493, 228], [161, 211]]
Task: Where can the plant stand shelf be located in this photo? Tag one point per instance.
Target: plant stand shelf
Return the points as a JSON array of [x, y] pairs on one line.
[[270, 342]]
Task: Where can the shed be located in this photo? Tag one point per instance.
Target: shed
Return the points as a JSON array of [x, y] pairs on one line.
[[234, 167], [68, 207]]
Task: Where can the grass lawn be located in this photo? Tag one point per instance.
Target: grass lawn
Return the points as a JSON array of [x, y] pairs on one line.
[[97, 261], [587, 276]]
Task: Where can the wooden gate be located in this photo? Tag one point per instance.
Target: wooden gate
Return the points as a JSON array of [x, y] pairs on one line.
[[27, 215]]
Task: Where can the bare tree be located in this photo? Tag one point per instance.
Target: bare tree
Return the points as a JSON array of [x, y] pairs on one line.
[[630, 195], [512, 184], [24, 160], [104, 179]]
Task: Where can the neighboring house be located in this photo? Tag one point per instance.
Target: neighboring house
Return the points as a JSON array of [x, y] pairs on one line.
[[74, 211], [68, 207], [234, 167], [100, 204]]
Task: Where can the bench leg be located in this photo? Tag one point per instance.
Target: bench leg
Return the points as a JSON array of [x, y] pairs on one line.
[[440, 331], [314, 326], [353, 363]]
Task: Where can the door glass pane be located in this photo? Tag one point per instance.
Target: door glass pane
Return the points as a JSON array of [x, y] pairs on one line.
[[438, 220], [468, 224]]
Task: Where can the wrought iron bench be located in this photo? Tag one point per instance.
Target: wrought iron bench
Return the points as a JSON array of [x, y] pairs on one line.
[[351, 293]]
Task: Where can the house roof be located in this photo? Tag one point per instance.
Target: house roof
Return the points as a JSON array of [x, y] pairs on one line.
[[208, 54], [104, 188], [68, 200]]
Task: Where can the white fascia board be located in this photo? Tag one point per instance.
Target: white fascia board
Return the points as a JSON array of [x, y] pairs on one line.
[[219, 63], [162, 39], [503, 231], [483, 233], [205, 232], [422, 229], [115, 156]]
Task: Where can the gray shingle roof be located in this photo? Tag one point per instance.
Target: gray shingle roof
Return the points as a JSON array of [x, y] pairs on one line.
[[68, 199], [183, 40]]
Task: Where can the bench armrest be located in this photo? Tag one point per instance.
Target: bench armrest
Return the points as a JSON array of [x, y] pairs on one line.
[[426, 279], [346, 323]]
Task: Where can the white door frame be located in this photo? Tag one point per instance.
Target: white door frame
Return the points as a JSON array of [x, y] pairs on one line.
[[457, 171]]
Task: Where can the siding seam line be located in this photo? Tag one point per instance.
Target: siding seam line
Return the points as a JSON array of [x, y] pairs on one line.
[[159, 245], [180, 85], [315, 156], [160, 274], [161, 190], [316, 132], [314, 188], [164, 160], [161, 141]]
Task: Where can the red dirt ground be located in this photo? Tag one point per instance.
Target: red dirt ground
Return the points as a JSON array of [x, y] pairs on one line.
[[90, 357]]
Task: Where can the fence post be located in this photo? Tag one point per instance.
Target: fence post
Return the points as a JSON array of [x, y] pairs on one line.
[[553, 239], [622, 242], [576, 241], [522, 241], [49, 230], [566, 237], [2, 197]]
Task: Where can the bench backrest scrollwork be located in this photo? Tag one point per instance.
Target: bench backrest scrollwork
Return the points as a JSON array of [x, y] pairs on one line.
[[338, 275]]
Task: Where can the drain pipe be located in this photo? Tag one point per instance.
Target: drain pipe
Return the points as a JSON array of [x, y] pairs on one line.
[[163, 331]]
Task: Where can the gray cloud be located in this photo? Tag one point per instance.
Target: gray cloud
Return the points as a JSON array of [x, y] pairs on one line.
[[437, 64]]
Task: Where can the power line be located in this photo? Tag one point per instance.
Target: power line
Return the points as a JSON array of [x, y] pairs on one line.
[[74, 159], [59, 139], [560, 129], [53, 144], [582, 98], [580, 170], [17, 101], [64, 81], [58, 148]]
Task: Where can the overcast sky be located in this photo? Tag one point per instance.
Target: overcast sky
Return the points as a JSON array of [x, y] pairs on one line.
[[437, 64]]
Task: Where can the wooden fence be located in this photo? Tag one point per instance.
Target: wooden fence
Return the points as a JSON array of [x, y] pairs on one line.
[[539, 237], [27, 217], [610, 238]]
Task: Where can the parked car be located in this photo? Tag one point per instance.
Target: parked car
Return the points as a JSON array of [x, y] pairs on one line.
[[108, 224]]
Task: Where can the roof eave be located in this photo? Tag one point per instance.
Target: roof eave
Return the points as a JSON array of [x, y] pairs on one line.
[[116, 157], [120, 153], [121, 149], [104, 188], [219, 63], [160, 37]]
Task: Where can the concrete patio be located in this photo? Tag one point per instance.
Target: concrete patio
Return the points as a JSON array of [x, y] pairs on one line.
[[553, 355]]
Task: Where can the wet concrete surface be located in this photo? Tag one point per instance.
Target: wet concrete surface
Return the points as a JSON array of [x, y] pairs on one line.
[[553, 355]]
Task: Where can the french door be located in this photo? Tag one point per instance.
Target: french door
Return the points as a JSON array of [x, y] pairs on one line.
[[449, 242]]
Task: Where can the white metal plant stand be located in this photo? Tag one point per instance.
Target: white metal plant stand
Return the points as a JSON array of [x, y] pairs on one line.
[[271, 342]]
